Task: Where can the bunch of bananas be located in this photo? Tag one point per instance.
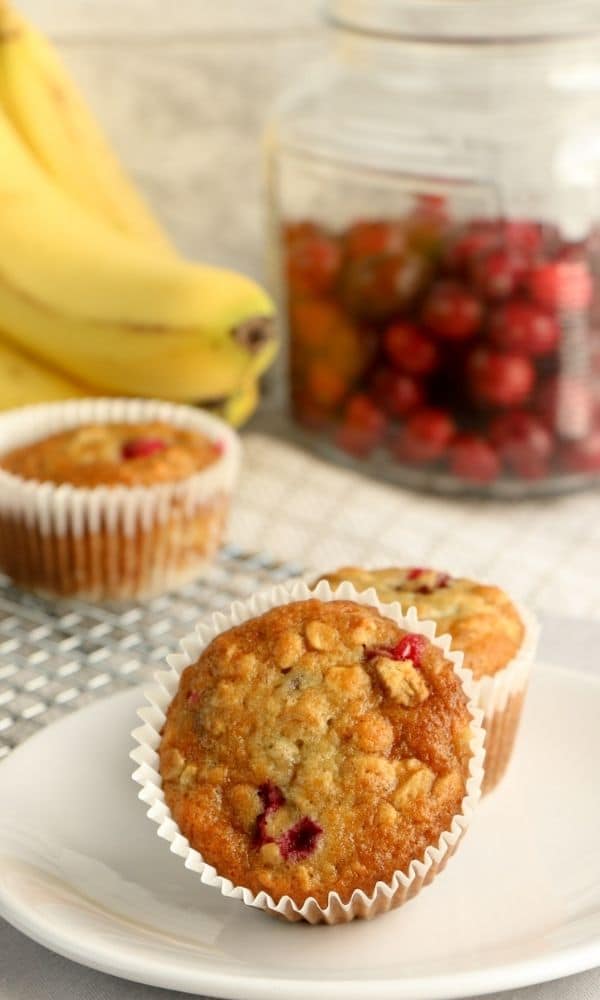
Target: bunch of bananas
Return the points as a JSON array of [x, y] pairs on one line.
[[93, 297]]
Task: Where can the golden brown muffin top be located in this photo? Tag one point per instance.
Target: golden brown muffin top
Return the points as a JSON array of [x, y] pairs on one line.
[[481, 619], [316, 748], [141, 454]]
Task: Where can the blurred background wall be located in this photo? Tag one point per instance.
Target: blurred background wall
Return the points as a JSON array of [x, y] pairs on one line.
[[183, 89]]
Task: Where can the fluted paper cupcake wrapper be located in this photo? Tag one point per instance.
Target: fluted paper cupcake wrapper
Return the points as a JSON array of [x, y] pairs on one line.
[[500, 697], [111, 542], [385, 896]]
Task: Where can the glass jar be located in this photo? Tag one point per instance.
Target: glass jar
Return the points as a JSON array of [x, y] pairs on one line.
[[434, 205]]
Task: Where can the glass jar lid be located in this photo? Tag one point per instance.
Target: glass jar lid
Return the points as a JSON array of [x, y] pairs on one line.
[[485, 21]]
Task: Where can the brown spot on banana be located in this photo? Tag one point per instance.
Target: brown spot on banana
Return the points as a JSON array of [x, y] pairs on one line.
[[254, 333]]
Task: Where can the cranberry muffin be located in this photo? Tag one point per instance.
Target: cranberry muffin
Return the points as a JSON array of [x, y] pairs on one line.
[[496, 642], [317, 748], [123, 499], [140, 454]]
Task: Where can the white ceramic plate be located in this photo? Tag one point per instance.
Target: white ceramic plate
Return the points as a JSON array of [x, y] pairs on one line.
[[82, 872]]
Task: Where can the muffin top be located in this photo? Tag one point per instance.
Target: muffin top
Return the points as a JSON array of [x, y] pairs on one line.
[[316, 748], [125, 454], [481, 619]]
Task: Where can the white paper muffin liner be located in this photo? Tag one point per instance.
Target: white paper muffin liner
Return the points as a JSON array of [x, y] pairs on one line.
[[385, 896], [500, 696], [111, 542]]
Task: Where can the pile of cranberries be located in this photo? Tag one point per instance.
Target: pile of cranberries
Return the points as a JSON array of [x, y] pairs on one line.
[[468, 348]]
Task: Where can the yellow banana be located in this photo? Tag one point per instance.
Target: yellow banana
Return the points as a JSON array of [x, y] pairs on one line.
[[24, 380], [55, 123], [112, 312], [240, 406]]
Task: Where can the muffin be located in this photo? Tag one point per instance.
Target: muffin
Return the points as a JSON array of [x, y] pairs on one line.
[[112, 499], [316, 750], [497, 641]]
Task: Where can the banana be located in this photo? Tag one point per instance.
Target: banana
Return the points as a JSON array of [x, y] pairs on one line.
[[113, 312], [55, 123], [24, 380], [240, 406]]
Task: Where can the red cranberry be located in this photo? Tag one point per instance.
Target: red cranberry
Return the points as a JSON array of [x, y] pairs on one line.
[[376, 288], [142, 447], [522, 235], [473, 458], [368, 239], [300, 840], [562, 284], [566, 404], [498, 273], [271, 796], [395, 393], [313, 263], [451, 311], [425, 436], [441, 580], [524, 443], [524, 327], [410, 647], [325, 385], [363, 428], [314, 322], [468, 243], [409, 350], [272, 799], [583, 456], [499, 379]]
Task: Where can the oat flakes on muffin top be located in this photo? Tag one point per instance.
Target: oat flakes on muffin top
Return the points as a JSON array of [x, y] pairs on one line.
[[316, 748], [482, 620], [126, 454]]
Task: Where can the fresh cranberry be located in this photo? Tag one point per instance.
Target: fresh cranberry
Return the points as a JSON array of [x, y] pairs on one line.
[[425, 436], [313, 263], [499, 379], [307, 412], [142, 447], [409, 350], [314, 322], [522, 235], [363, 428], [396, 393], [523, 442], [295, 232], [582, 456], [410, 647], [376, 288], [562, 284], [440, 582], [524, 327], [566, 404], [451, 311], [300, 840], [468, 243], [368, 239], [498, 273], [472, 458], [325, 385]]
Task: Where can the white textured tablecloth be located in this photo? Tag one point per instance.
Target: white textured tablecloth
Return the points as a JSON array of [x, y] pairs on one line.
[[546, 552]]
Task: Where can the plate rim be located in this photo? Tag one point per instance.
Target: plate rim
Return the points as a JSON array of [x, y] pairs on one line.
[[450, 986]]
